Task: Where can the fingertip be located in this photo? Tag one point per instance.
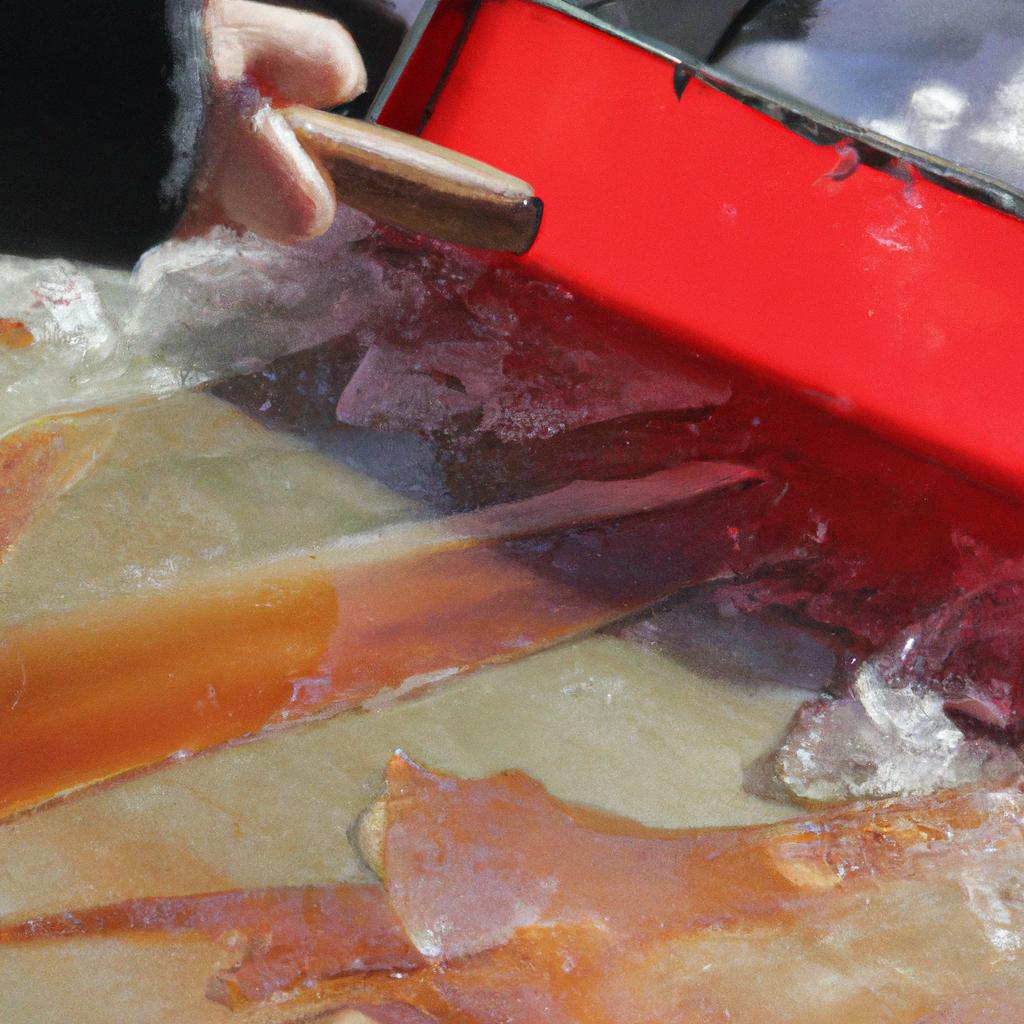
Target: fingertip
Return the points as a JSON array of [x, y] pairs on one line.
[[297, 56], [304, 204], [275, 188], [342, 58], [322, 209]]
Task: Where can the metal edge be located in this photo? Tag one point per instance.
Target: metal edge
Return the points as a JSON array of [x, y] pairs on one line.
[[401, 59], [822, 128], [812, 122], [804, 119], [419, 27], [453, 56], [648, 43]]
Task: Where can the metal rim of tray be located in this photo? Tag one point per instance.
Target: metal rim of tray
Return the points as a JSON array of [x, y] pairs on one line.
[[805, 119]]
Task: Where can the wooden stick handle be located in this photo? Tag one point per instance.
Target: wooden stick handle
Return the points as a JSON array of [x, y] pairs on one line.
[[411, 183]]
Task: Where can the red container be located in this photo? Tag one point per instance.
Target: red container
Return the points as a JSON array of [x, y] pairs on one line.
[[889, 296]]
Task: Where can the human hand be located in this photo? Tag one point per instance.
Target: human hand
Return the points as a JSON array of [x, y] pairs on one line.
[[254, 174]]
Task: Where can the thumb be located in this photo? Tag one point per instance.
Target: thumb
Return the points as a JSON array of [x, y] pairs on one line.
[[270, 184]]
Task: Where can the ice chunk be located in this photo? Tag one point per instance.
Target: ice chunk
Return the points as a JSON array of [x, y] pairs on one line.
[[73, 316], [899, 745], [520, 390], [968, 651], [193, 311], [449, 335], [952, 629], [521, 360], [219, 305], [893, 736]]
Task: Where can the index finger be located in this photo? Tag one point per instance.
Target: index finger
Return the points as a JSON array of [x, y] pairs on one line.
[[295, 56]]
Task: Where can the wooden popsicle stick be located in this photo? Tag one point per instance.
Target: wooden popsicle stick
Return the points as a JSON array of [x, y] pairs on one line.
[[411, 183]]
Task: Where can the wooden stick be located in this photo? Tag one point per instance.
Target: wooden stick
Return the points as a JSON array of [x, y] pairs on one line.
[[411, 183]]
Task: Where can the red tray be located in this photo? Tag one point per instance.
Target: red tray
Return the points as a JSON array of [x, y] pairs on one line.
[[887, 295]]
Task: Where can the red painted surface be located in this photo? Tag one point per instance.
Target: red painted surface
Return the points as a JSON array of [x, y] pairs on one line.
[[410, 98], [715, 223]]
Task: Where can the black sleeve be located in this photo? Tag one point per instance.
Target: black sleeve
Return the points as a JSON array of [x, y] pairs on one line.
[[101, 108]]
